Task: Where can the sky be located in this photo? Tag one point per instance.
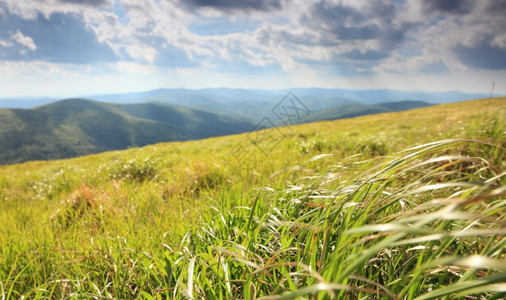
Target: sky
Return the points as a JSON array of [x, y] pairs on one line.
[[64, 48]]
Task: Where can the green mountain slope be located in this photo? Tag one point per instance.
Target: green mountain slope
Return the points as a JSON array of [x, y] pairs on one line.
[[76, 127], [197, 123]]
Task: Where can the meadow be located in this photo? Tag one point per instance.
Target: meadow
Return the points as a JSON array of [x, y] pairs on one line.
[[406, 205]]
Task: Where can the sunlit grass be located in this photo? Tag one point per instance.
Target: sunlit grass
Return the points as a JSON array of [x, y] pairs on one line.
[[400, 205]]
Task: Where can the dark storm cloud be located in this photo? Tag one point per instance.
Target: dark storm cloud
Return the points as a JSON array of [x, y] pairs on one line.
[[63, 38], [448, 6], [483, 56], [484, 22], [339, 23], [334, 14], [335, 20], [349, 23], [234, 5], [497, 6], [92, 3]]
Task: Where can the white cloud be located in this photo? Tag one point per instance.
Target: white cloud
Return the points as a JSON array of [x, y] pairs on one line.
[[29, 9], [34, 69], [500, 41], [6, 43], [24, 40], [106, 25], [142, 53]]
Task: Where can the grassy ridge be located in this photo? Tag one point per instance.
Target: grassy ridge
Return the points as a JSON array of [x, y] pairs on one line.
[[186, 220]]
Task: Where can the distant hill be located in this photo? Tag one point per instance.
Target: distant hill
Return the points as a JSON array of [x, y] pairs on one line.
[[356, 109], [76, 127]]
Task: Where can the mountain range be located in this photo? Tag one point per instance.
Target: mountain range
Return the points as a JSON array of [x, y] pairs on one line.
[[75, 127], [253, 98]]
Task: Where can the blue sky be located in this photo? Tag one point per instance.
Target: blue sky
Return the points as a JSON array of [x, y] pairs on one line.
[[63, 48]]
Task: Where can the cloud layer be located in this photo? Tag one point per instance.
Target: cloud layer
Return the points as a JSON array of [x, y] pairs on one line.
[[328, 38]]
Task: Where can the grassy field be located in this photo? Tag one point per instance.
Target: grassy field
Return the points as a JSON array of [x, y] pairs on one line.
[[407, 205]]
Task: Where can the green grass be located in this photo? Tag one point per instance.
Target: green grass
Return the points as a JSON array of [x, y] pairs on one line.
[[407, 205]]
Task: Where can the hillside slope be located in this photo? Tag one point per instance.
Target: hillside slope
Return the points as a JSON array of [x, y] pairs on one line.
[[393, 205], [76, 127], [197, 124]]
